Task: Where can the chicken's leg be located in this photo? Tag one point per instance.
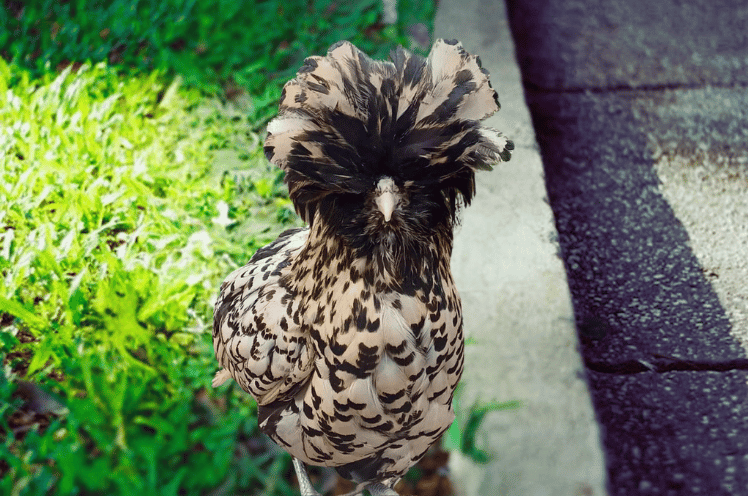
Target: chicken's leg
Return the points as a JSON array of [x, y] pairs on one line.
[[379, 489], [374, 489], [305, 485]]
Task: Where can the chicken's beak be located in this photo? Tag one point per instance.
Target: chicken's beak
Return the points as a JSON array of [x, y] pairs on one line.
[[386, 204]]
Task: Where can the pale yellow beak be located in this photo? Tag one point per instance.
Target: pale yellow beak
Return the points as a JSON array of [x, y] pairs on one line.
[[386, 204]]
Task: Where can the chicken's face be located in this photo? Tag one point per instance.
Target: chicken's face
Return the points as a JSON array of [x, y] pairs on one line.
[[388, 197], [382, 153], [390, 212]]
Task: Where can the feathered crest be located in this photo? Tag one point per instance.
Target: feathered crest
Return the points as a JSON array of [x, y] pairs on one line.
[[346, 120]]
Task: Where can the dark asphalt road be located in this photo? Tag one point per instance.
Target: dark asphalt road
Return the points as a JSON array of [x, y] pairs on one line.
[[668, 379]]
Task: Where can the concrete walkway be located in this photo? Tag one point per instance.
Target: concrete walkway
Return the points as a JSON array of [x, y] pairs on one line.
[[516, 302]]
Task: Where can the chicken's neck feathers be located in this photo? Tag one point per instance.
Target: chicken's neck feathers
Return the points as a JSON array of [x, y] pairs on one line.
[[396, 264]]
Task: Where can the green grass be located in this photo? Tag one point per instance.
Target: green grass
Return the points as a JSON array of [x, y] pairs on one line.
[[112, 247], [462, 434], [250, 45], [132, 181]]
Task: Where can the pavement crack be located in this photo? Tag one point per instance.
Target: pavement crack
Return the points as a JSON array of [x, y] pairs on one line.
[[530, 86], [666, 364]]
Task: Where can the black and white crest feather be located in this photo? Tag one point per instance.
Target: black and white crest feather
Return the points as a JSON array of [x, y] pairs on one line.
[[347, 120]]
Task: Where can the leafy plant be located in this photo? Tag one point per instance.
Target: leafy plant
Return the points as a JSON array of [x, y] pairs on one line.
[[461, 435], [111, 249]]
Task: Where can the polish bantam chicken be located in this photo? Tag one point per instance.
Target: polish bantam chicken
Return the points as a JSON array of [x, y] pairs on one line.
[[348, 333]]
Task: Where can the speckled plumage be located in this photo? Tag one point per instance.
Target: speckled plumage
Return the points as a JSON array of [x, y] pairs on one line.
[[348, 333]]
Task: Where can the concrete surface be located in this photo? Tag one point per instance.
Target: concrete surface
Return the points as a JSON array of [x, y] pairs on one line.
[[516, 302], [674, 433], [583, 44], [703, 172], [639, 110], [638, 288]]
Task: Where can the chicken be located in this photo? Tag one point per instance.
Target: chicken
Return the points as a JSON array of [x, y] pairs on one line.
[[348, 332]]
